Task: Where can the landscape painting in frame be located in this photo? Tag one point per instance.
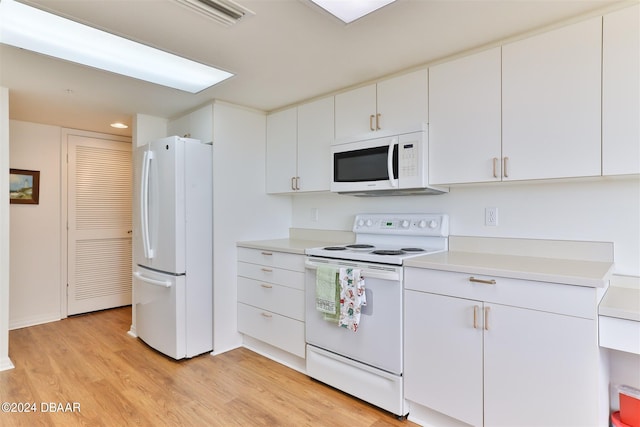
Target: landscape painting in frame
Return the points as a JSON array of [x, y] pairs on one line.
[[24, 186]]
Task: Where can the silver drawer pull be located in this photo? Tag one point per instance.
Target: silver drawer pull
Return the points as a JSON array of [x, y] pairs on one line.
[[267, 253], [267, 270], [267, 315], [264, 285], [486, 318], [486, 282]]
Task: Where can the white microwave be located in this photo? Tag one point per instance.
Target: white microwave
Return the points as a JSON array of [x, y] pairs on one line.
[[396, 164]]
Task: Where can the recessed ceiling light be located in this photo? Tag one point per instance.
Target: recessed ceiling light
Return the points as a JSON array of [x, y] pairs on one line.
[[33, 29], [119, 125], [350, 10]]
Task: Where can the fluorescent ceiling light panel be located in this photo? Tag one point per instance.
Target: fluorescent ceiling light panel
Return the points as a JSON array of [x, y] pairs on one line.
[[350, 10], [36, 30]]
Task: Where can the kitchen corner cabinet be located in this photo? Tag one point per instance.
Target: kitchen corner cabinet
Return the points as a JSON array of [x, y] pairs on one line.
[[397, 104], [551, 104], [621, 92], [271, 298], [509, 352], [298, 148], [465, 119]]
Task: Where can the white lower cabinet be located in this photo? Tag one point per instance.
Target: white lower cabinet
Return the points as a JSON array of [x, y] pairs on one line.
[[503, 354], [271, 298]]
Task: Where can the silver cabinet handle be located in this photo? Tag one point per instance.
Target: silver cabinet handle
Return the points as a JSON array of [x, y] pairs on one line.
[[293, 187], [475, 316], [486, 318], [267, 270], [267, 253], [371, 122], [297, 183], [378, 121], [267, 315], [495, 167], [504, 167], [264, 285], [486, 282]]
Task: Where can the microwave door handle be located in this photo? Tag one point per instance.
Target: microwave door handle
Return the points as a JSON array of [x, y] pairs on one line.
[[392, 179]]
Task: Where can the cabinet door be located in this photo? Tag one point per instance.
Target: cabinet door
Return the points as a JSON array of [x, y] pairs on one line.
[[315, 135], [621, 92], [281, 150], [443, 355], [353, 112], [465, 119], [551, 103], [540, 369], [402, 102]]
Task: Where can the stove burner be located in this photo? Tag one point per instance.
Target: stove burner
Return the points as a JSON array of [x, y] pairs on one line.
[[360, 246], [412, 249], [388, 252], [335, 248]]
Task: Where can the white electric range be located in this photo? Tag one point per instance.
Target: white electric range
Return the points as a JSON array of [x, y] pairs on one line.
[[368, 363]]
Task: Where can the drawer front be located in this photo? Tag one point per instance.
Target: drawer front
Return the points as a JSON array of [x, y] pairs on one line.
[[274, 329], [278, 299], [272, 259], [268, 274], [577, 301]]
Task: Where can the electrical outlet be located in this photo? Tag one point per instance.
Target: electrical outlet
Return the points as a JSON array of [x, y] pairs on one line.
[[491, 217]]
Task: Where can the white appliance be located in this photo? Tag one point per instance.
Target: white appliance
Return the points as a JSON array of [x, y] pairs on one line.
[[368, 363], [173, 245], [396, 164]]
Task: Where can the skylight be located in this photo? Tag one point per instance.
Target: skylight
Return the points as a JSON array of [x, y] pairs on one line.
[[33, 29]]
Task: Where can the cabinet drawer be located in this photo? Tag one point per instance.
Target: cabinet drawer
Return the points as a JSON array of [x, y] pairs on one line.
[[282, 300], [273, 259], [292, 279], [571, 300], [276, 330]]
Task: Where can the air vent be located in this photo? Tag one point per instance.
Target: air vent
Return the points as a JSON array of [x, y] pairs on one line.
[[225, 12]]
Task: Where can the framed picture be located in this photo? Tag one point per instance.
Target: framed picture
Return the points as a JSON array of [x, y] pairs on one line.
[[24, 186]]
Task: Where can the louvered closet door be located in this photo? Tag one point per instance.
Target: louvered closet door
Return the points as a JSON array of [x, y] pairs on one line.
[[99, 213]]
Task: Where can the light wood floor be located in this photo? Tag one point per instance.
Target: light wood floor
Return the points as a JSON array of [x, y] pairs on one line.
[[117, 380]]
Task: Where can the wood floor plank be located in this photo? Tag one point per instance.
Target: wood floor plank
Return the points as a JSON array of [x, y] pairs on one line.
[[117, 380]]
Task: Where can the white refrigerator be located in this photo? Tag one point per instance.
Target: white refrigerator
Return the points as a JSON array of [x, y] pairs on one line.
[[173, 245]]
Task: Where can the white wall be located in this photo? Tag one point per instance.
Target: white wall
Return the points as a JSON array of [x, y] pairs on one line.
[[604, 209], [5, 362], [241, 209], [35, 229]]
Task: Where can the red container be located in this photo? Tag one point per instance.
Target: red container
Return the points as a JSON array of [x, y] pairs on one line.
[[629, 406], [615, 420]]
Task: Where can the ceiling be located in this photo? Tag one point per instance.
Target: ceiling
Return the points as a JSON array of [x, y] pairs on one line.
[[289, 51]]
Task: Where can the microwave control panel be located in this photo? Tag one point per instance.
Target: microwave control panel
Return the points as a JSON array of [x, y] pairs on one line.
[[409, 155]]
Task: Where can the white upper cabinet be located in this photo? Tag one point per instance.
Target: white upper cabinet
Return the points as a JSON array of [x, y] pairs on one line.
[[395, 105], [465, 119], [298, 148], [281, 151], [620, 92], [551, 104], [315, 135]]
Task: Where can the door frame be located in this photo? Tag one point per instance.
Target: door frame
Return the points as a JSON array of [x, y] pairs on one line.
[[64, 214]]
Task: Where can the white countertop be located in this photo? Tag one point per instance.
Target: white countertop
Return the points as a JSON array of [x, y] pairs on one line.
[[565, 271], [292, 246]]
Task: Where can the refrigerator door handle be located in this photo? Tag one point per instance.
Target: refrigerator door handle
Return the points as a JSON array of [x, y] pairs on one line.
[[163, 283], [144, 204]]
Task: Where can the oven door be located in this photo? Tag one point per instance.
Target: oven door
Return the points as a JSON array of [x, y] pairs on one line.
[[378, 340], [365, 165]]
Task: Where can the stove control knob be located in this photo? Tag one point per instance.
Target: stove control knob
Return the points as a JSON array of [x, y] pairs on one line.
[[360, 223], [369, 223], [433, 223], [422, 223], [405, 223]]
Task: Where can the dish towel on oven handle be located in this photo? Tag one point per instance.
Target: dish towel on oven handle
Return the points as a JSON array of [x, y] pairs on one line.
[[352, 298], [326, 290]]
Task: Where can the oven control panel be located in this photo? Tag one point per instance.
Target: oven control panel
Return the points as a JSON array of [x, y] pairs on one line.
[[407, 224]]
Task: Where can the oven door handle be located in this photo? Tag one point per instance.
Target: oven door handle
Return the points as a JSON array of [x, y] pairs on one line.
[[366, 273]]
